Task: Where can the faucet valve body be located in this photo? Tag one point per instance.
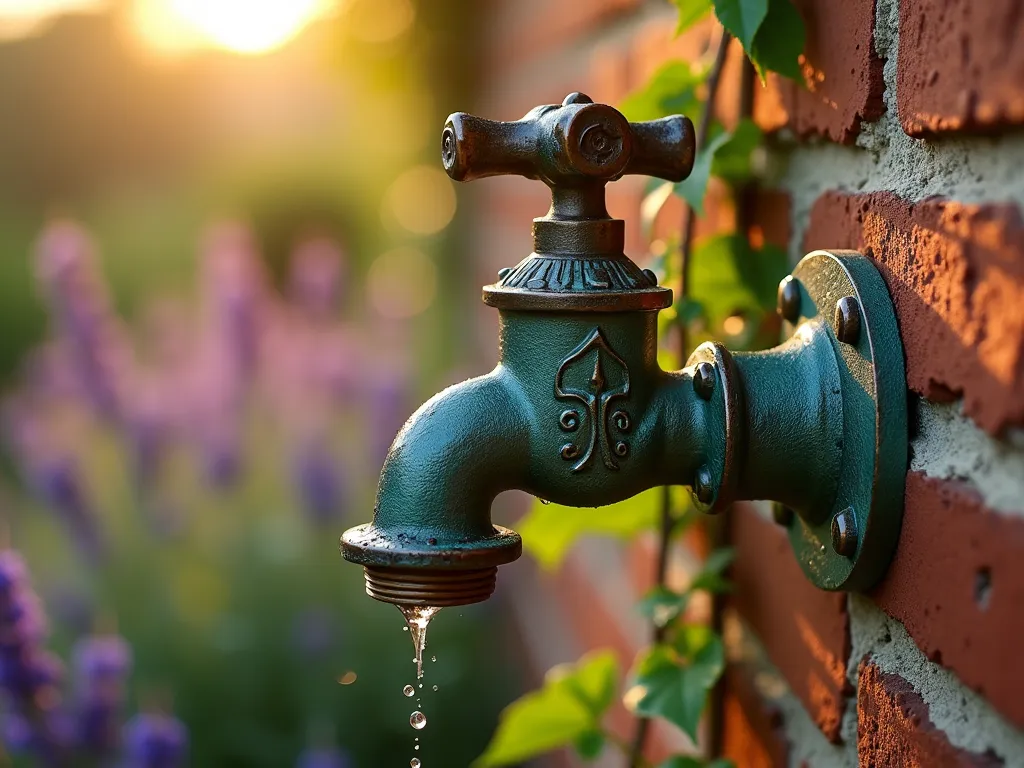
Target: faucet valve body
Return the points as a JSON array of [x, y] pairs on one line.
[[579, 412]]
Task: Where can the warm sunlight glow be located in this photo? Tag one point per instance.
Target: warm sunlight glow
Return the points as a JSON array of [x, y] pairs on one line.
[[241, 26], [22, 17]]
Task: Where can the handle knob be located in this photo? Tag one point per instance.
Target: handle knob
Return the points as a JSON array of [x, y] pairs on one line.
[[575, 144]]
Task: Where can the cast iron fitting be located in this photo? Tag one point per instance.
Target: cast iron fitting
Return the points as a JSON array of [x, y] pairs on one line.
[[579, 412]]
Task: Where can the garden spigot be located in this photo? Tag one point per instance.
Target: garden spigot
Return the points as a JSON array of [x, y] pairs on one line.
[[579, 412]]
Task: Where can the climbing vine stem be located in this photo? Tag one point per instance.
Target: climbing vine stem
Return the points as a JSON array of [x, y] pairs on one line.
[[668, 517]]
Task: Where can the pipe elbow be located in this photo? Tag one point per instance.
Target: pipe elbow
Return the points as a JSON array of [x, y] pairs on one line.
[[461, 449]]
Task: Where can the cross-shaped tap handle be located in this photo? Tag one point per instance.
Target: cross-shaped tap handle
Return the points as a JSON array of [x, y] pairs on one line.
[[577, 145]]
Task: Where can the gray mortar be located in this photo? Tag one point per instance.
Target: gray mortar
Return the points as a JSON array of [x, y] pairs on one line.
[[968, 721], [974, 169], [950, 446]]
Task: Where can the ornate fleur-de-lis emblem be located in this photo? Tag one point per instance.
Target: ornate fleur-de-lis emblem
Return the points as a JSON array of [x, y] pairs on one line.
[[596, 377]]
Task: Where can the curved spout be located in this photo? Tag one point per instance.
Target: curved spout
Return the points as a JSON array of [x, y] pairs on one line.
[[431, 541]]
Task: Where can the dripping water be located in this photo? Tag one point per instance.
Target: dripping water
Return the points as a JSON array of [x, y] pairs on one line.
[[418, 618]]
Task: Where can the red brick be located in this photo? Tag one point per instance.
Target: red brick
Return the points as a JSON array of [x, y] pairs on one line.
[[752, 732], [894, 727], [521, 30], [957, 584], [960, 65], [956, 275], [805, 631], [842, 74]]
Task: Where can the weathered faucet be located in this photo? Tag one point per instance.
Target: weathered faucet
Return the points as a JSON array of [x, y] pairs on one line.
[[579, 412]]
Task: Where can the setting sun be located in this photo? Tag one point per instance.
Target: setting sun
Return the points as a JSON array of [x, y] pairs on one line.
[[241, 26]]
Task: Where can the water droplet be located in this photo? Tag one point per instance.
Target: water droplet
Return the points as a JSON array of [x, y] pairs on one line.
[[417, 618], [435, 687], [415, 762], [418, 720], [545, 502], [417, 747], [408, 690], [421, 685], [433, 658], [405, 629]]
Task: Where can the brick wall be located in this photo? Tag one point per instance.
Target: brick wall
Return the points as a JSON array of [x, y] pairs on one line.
[[908, 145]]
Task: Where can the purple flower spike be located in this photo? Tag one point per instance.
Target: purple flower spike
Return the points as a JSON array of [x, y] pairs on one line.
[[154, 741], [316, 277], [324, 758], [101, 665], [318, 478], [78, 301]]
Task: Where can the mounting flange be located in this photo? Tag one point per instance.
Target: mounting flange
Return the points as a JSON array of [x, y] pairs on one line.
[[849, 546]]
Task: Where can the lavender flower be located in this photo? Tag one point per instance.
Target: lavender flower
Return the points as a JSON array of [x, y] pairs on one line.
[[318, 477], [78, 301], [387, 406], [101, 665], [316, 277], [323, 758], [29, 675], [154, 741]]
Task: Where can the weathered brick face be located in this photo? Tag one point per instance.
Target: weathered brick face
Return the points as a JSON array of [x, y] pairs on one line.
[[950, 247], [960, 66]]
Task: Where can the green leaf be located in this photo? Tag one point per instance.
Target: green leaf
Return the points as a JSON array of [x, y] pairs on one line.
[[682, 761], [742, 18], [565, 711], [662, 605], [592, 680], [672, 682], [654, 200], [690, 12], [694, 186], [780, 41], [672, 90], [710, 578], [549, 530], [728, 277], [732, 161], [590, 744]]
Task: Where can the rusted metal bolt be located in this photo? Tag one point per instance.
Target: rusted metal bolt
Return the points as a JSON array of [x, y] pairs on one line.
[[703, 487], [789, 299], [651, 277], [844, 533], [504, 272], [704, 380], [848, 320], [782, 514]]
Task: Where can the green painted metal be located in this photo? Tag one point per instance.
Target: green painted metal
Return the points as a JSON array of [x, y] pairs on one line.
[[578, 411]]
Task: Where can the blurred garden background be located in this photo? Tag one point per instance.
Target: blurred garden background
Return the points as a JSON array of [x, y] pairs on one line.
[[223, 231]]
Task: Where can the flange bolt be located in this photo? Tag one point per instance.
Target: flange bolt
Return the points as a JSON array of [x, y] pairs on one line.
[[781, 514], [844, 533], [789, 299], [651, 277], [704, 380], [703, 487], [504, 272], [848, 320]]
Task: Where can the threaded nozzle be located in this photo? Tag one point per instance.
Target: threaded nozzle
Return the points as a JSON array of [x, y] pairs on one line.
[[430, 586]]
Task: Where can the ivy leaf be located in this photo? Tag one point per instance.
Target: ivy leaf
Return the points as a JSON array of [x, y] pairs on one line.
[[728, 276], [711, 578], [592, 680], [732, 161], [690, 12], [655, 197], [780, 41], [590, 744], [682, 761], [549, 530], [742, 18], [554, 716], [694, 186], [672, 682], [672, 90], [662, 605]]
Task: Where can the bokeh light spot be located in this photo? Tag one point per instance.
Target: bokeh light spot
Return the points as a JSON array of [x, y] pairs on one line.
[[421, 200]]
